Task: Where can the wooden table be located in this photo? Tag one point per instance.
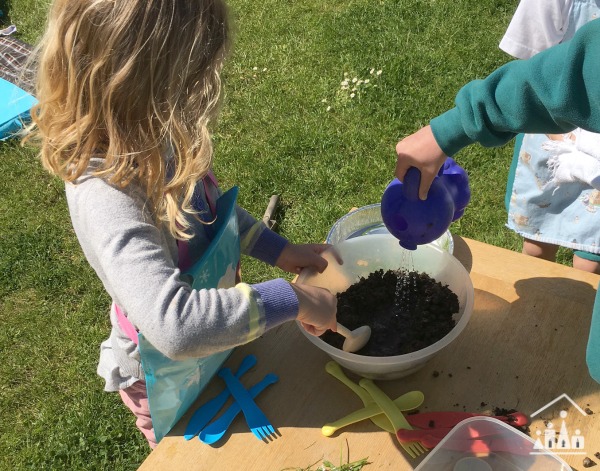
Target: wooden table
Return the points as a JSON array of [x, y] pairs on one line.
[[523, 348]]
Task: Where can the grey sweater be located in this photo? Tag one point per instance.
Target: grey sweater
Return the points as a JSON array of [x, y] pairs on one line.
[[136, 260]]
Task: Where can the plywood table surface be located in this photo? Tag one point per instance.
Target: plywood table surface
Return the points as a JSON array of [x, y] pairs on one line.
[[523, 348]]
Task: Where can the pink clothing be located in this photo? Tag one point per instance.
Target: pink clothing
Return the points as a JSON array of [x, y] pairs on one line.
[[136, 398]]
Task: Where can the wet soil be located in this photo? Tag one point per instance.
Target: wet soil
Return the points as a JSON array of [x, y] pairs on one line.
[[420, 315]]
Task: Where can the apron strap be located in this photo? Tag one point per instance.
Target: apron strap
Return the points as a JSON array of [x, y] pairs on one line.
[[184, 260], [126, 325]]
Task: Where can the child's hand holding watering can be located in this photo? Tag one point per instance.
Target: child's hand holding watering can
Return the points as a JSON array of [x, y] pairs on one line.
[[421, 207], [422, 151]]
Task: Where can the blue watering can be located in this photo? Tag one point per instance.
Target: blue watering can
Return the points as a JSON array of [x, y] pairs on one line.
[[416, 222]]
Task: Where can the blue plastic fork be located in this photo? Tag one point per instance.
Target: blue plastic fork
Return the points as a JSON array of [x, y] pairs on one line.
[[214, 431], [255, 418], [207, 411]]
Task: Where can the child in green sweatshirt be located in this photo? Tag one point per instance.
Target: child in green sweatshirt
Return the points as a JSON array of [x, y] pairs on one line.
[[555, 91]]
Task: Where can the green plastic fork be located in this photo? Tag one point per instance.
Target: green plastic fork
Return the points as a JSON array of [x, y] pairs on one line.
[[414, 398], [398, 420]]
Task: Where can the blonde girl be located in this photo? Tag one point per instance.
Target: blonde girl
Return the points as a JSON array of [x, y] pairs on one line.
[[127, 93]]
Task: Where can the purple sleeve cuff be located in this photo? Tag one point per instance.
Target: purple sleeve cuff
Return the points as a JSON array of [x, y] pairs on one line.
[[279, 302], [268, 247]]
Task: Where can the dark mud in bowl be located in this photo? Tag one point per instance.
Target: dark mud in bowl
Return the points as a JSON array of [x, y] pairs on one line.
[[364, 255]]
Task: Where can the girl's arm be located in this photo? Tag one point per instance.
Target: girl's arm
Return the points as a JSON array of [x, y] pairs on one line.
[[136, 262], [257, 240], [266, 245]]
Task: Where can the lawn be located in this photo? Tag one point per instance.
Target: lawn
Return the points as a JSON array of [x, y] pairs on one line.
[[289, 127]]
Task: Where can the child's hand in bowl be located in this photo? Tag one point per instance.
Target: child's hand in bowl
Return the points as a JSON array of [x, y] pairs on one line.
[[295, 257], [317, 308]]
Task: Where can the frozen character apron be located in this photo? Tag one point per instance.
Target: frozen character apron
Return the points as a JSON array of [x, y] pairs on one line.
[[555, 195], [173, 386]]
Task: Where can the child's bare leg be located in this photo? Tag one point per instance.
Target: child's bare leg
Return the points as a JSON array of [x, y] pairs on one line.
[[538, 249], [586, 265]]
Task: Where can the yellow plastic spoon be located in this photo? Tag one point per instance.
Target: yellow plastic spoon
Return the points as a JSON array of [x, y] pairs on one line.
[[408, 401]]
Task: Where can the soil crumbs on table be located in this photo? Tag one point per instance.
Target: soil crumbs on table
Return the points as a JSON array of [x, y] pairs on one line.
[[406, 310]]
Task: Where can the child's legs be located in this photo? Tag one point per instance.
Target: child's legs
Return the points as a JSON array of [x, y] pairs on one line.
[[539, 249], [586, 261], [136, 398]]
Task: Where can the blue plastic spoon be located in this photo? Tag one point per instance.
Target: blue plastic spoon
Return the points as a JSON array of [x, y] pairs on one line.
[[217, 429]]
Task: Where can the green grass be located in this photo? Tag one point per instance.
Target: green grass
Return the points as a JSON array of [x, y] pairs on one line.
[[275, 135], [329, 466]]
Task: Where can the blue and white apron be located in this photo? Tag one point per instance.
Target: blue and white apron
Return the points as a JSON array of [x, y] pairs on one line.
[[563, 213], [173, 386]]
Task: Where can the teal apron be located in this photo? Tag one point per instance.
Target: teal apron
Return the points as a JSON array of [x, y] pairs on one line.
[[173, 386]]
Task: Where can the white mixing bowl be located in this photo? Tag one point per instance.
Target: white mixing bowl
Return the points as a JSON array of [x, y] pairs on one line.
[[364, 255]]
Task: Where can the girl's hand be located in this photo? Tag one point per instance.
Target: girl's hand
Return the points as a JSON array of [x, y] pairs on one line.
[[422, 151], [317, 308], [295, 257]]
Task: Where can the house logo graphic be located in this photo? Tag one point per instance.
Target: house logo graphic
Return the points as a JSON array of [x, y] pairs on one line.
[[556, 438]]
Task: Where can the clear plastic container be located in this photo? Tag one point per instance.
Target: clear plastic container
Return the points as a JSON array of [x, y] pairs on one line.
[[364, 255], [366, 220], [487, 444]]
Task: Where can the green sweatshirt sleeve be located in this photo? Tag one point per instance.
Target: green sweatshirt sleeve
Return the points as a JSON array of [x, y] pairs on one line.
[[555, 91]]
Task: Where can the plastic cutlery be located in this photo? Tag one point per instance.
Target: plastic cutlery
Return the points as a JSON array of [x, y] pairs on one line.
[[398, 421], [336, 371], [207, 412], [214, 431], [355, 339], [410, 400], [255, 418]]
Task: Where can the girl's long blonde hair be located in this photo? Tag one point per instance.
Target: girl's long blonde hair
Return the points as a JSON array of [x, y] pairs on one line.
[[132, 81]]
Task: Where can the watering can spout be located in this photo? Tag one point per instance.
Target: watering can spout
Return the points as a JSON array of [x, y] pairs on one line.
[[408, 245], [416, 222]]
